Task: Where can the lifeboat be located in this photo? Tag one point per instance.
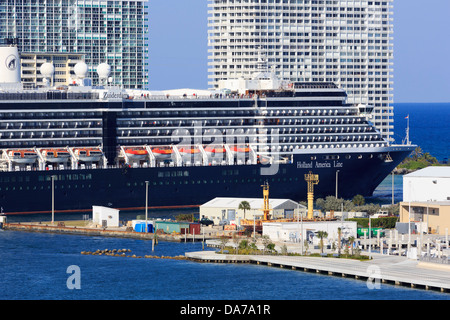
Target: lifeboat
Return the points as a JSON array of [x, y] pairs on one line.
[[56, 155], [240, 149], [185, 150], [88, 154], [136, 153], [162, 153], [215, 151], [22, 156]]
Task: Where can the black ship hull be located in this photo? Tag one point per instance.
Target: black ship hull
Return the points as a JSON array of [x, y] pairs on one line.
[[30, 192]]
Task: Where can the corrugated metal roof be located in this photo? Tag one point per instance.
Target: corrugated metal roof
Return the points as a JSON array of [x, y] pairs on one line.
[[255, 203], [434, 172]]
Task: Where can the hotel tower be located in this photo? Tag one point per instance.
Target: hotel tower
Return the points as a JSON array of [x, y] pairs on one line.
[[101, 31], [348, 42]]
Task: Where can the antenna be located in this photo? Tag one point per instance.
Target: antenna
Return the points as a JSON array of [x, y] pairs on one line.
[[407, 132]]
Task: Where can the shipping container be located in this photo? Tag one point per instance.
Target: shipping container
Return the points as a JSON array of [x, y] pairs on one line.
[[172, 227], [140, 227], [194, 228]]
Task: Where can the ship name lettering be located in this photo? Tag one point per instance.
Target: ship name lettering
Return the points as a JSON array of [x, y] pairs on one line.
[[114, 95], [304, 165], [323, 165], [338, 164]]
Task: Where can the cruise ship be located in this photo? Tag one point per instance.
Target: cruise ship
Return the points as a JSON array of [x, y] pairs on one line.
[[68, 148]]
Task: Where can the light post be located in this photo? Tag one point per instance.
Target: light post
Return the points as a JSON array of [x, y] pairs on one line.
[[146, 205], [392, 187], [337, 178], [370, 237], [53, 198], [409, 219]]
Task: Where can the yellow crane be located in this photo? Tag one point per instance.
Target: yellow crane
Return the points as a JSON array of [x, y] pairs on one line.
[[312, 180], [266, 208]]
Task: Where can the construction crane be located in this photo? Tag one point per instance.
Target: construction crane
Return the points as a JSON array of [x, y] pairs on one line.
[[312, 180], [266, 208]]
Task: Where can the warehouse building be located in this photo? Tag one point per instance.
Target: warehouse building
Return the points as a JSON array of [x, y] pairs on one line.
[[426, 199], [227, 209]]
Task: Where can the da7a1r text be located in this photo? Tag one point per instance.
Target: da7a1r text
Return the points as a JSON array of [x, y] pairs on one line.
[[237, 309]]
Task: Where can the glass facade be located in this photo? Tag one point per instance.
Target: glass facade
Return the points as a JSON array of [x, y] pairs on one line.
[[111, 31]]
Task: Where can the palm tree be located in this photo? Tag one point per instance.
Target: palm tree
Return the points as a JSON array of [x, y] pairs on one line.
[[417, 153], [244, 205], [358, 200], [351, 239], [321, 235]]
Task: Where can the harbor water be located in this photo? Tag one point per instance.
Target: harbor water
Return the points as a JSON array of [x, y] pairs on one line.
[[38, 266]]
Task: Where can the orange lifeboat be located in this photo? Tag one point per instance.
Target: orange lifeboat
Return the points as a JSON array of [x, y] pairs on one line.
[[240, 149], [189, 150], [22, 156], [215, 151], [88, 154], [136, 153], [162, 153], [56, 155]]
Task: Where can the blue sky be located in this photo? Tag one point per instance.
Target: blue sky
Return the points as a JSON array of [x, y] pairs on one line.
[[179, 47]]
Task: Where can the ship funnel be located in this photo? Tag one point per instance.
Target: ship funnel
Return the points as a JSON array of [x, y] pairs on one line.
[[9, 65]]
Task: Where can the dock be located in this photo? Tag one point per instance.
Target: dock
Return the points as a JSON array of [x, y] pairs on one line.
[[102, 232], [382, 269]]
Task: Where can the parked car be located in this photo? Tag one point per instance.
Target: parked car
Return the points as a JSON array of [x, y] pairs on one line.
[[206, 221]]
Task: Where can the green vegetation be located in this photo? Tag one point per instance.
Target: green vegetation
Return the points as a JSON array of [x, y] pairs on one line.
[[342, 256], [248, 247], [418, 160], [321, 235], [244, 205], [188, 217], [383, 222], [356, 205]]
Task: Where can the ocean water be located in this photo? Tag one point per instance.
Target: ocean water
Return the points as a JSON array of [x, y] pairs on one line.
[[429, 126], [37, 266]]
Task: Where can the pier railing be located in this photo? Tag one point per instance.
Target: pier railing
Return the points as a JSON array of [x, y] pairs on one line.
[[435, 259]]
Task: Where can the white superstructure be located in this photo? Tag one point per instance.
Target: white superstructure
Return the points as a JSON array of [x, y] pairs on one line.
[[105, 31], [348, 43]]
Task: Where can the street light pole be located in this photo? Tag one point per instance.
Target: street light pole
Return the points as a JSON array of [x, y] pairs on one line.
[[146, 205], [337, 174], [53, 198]]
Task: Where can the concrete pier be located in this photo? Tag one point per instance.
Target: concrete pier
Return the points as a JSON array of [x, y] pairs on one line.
[[102, 232], [382, 268]]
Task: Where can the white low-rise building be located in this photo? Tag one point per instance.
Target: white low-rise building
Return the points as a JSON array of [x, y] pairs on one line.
[[292, 231], [227, 209], [106, 217], [429, 184]]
